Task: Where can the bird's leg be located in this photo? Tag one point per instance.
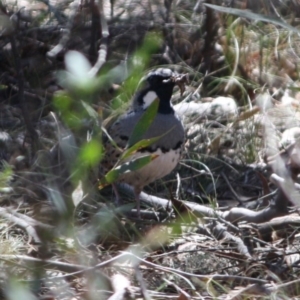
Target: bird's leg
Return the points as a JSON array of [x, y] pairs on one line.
[[137, 193]]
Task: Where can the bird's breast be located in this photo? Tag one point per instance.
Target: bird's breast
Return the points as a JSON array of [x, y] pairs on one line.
[[162, 165]]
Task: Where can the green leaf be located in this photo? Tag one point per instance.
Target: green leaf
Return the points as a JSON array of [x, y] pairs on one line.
[[138, 63], [110, 139], [62, 101], [90, 110], [143, 124], [91, 153], [5, 175], [139, 145], [127, 167], [142, 144], [250, 15]]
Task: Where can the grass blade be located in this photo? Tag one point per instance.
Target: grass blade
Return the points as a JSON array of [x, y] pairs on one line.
[[143, 124]]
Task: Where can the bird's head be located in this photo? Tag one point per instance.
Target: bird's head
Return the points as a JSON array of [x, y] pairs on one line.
[[159, 84]]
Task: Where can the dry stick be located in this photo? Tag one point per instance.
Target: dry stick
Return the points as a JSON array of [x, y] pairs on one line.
[[178, 289], [129, 256], [168, 6], [26, 218], [253, 289], [269, 289], [58, 15], [95, 28], [81, 269], [209, 40], [139, 277], [191, 275], [238, 214], [235, 195], [29, 94], [25, 112], [233, 215], [277, 224], [267, 244], [287, 286], [61, 266], [121, 287], [22, 223], [168, 54], [103, 48], [66, 32], [220, 232], [163, 295], [232, 227], [286, 186]]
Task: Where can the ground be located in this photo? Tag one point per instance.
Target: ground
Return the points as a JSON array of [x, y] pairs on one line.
[[223, 225]]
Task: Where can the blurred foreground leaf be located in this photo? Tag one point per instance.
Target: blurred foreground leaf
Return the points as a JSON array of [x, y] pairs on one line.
[[143, 124], [5, 176], [90, 110], [16, 291], [91, 153], [76, 78], [126, 167], [139, 145], [242, 13], [142, 144], [136, 66]]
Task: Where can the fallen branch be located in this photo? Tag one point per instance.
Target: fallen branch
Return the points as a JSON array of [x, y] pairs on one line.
[[25, 222], [234, 215]]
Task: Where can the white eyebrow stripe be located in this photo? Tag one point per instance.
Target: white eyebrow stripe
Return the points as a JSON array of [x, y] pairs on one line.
[[149, 98]]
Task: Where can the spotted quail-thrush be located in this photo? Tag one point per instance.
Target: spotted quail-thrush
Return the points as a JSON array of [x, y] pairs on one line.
[[167, 149]]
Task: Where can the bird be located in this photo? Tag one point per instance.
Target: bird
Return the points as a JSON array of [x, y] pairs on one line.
[[167, 150]]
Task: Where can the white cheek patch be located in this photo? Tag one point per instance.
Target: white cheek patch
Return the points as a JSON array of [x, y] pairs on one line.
[[149, 98]]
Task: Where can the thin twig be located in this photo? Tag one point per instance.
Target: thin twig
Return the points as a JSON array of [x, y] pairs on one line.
[[66, 32], [24, 107], [236, 196], [141, 281], [22, 223], [57, 14], [102, 53], [129, 256]]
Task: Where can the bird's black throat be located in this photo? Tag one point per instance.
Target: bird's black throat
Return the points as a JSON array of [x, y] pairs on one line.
[[164, 94]]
